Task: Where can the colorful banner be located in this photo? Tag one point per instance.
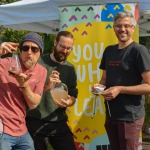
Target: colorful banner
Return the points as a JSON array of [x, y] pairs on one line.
[[92, 27]]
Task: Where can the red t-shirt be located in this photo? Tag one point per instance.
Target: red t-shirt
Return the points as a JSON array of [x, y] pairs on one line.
[[12, 102]]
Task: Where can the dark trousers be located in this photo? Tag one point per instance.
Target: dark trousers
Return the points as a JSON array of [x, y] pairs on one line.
[[57, 134], [123, 135]]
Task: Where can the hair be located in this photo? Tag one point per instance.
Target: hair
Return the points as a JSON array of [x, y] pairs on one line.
[[123, 15], [65, 34]]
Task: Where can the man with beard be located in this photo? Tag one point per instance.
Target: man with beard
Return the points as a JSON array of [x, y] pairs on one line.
[[48, 122], [19, 90], [124, 67]]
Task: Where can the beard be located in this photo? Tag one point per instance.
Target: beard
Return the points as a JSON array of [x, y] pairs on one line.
[[29, 64], [59, 56]]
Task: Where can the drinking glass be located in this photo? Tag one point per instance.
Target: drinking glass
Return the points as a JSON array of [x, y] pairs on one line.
[[15, 67], [59, 91]]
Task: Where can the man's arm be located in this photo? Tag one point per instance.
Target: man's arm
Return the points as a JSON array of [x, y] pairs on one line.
[[140, 89], [32, 99], [103, 78]]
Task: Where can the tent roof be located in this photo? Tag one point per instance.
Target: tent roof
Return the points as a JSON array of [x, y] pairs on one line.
[[33, 15], [144, 21], [43, 16]]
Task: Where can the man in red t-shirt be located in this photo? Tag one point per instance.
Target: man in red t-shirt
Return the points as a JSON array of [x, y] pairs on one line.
[[19, 91]]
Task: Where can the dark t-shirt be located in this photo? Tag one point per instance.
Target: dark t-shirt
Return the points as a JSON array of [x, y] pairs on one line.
[[124, 68], [47, 110]]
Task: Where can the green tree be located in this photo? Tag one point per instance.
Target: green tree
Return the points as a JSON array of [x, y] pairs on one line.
[[7, 34], [7, 1], [17, 35]]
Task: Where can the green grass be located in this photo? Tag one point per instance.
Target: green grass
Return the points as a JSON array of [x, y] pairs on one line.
[[49, 147]]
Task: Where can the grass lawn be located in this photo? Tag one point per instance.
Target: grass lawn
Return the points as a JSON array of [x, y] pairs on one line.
[[50, 148]]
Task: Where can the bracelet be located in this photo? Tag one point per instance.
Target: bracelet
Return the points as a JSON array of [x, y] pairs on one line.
[[21, 86]]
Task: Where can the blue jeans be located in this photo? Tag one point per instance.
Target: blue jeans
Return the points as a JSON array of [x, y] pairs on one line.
[[24, 142]]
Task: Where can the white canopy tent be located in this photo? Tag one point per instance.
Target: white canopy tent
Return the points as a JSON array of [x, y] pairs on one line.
[[144, 21], [43, 16]]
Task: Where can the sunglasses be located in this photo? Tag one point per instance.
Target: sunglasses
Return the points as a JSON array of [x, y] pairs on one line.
[[26, 48]]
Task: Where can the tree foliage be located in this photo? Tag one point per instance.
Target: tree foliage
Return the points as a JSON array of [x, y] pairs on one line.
[[7, 34]]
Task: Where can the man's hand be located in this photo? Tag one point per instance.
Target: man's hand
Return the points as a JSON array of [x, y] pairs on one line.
[[98, 91], [65, 103], [111, 93], [22, 78], [53, 79], [8, 47]]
